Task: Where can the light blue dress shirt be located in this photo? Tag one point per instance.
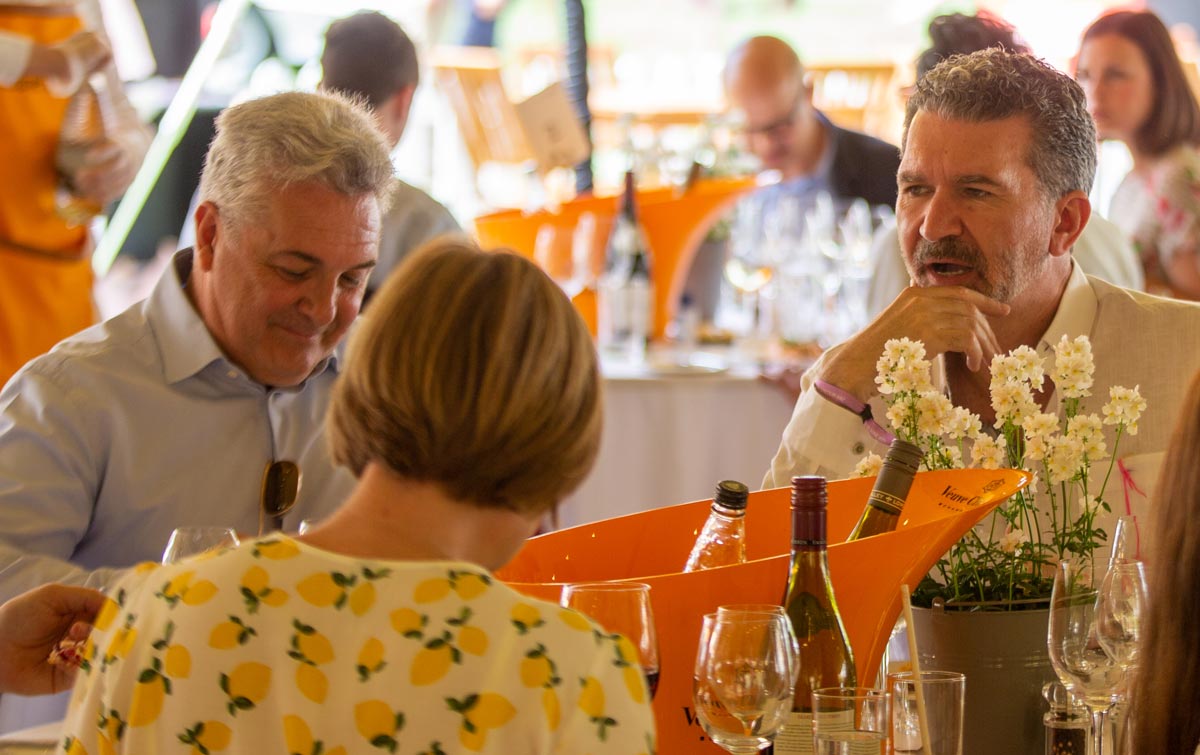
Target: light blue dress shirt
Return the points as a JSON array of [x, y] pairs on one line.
[[140, 425]]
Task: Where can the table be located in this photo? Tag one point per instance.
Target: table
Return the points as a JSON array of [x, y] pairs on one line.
[[35, 740], [671, 435]]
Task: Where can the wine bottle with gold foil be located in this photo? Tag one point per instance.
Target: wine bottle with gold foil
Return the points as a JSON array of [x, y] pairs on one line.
[[891, 489], [825, 657]]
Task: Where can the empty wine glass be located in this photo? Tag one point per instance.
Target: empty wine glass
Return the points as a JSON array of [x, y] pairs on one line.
[[743, 682], [190, 541], [622, 608], [1126, 542], [565, 253], [1120, 609], [1079, 659]]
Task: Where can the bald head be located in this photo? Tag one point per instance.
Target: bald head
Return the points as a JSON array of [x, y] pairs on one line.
[[762, 65], [764, 84]]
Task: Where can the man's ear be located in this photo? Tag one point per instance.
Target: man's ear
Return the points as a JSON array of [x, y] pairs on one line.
[[1071, 215], [395, 112], [208, 224]]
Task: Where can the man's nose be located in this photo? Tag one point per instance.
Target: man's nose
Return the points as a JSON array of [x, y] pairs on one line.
[[941, 218], [319, 302]]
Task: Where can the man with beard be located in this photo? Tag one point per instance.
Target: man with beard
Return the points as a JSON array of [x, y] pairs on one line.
[[997, 159]]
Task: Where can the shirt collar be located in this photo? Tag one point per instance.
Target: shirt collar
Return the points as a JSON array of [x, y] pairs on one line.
[[184, 342], [1076, 312]]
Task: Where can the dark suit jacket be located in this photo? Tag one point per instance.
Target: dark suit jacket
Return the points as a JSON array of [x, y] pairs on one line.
[[863, 166]]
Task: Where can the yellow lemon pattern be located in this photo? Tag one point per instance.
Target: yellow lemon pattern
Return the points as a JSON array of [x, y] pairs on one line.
[[206, 737], [256, 590], [480, 713], [339, 589], [277, 647], [377, 723], [246, 686], [299, 739], [229, 634]]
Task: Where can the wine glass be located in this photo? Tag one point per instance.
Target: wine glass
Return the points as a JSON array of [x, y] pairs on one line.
[[749, 266], [622, 608], [1120, 608], [565, 253], [190, 541], [1126, 543], [744, 678], [1079, 659]]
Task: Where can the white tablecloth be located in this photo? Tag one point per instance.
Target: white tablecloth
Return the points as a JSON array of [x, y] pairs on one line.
[[670, 438]]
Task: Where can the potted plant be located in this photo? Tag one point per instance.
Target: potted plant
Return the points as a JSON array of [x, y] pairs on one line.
[[985, 602]]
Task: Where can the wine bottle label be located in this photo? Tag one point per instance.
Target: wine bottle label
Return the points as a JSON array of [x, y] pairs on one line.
[[885, 501], [795, 737], [807, 543]]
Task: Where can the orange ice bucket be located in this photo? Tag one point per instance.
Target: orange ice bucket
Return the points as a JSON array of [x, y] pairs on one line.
[[652, 546], [674, 223]]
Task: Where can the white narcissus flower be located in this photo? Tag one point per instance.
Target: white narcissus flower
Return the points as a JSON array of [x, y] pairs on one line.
[[987, 453], [934, 411], [1012, 401], [963, 424], [1125, 407], [1066, 454], [1039, 425], [1036, 447], [954, 455], [1029, 366], [869, 466], [1073, 367], [1013, 539], [1088, 430], [902, 367]]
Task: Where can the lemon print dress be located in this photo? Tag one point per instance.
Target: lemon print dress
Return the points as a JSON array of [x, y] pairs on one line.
[[278, 647]]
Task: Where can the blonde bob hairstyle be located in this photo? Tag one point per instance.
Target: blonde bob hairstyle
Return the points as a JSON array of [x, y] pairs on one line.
[[471, 370], [271, 143]]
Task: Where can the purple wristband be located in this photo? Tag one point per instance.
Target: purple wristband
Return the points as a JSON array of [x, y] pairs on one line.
[[843, 399]]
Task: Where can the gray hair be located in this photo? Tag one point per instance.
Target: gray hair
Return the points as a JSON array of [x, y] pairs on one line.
[[270, 143], [994, 84]]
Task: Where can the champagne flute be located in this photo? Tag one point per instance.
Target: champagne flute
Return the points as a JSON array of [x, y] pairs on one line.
[[622, 608], [744, 678], [1120, 608], [190, 541], [1080, 661]]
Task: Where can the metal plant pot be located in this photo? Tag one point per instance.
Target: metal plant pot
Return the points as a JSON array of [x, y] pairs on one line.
[[1004, 657]]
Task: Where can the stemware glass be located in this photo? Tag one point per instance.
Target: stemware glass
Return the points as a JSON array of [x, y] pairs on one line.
[[1079, 659], [745, 674], [749, 265], [623, 608], [1126, 541], [1120, 610], [564, 253], [190, 541]]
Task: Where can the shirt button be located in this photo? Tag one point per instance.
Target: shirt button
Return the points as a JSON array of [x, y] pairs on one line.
[[858, 448]]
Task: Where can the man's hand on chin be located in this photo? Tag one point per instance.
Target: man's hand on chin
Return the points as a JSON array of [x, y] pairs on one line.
[[944, 318]]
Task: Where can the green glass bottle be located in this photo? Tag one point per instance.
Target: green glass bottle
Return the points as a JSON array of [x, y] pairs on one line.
[[825, 656]]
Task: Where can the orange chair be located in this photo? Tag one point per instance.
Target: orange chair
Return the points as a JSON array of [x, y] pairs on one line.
[[652, 546], [674, 224]]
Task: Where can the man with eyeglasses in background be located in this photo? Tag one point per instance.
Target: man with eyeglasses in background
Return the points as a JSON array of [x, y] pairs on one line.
[[168, 414], [766, 91], [765, 86]]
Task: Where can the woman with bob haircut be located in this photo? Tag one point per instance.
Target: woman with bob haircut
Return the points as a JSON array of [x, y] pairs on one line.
[[469, 406], [1166, 694], [1139, 94]]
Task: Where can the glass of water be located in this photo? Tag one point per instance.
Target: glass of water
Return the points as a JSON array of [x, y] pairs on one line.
[[851, 721]]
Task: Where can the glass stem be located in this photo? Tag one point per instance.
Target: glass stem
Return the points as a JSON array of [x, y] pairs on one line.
[[1099, 722]]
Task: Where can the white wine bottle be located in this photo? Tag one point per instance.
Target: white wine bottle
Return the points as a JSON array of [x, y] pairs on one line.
[[825, 657]]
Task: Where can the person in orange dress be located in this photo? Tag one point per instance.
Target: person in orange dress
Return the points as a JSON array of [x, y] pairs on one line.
[[47, 50]]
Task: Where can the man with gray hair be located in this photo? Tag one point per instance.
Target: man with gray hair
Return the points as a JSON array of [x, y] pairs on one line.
[[168, 414], [998, 155]]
